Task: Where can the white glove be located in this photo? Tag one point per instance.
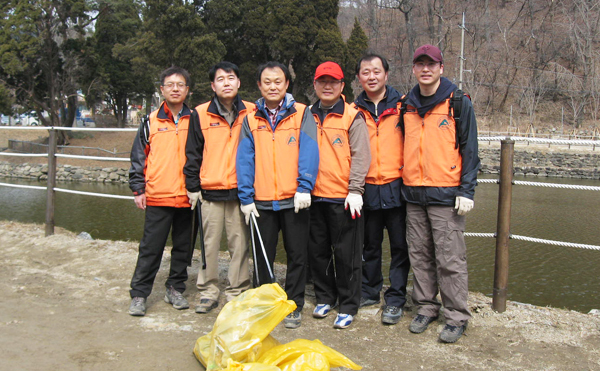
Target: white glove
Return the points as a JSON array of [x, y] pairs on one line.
[[463, 205], [249, 209], [301, 201], [194, 197], [355, 202]]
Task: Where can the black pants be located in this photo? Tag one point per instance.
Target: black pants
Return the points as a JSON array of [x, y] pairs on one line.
[[394, 220], [335, 248], [159, 221], [294, 229]]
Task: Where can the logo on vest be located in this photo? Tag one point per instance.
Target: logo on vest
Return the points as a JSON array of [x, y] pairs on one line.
[[214, 124], [291, 140], [163, 129], [444, 124], [261, 127], [337, 141]]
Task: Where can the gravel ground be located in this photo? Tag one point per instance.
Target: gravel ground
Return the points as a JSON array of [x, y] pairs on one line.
[[65, 300]]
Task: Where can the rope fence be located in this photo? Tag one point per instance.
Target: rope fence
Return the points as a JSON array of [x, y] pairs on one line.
[[467, 234], [537, 240]]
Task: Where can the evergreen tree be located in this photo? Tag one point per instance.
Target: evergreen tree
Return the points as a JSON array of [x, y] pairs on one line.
[[357, 44], [40, 51]]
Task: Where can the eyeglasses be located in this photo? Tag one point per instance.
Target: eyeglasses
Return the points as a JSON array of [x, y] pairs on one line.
[[429, 65], [171, 85], [333, 83]]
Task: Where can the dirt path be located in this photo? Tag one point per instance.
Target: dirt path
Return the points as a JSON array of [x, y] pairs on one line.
[[64, 307]]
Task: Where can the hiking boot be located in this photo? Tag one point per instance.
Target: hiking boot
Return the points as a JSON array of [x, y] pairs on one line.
[[343, 320], [420, 323], [137, 306], [321, 310], [364, 302], [174, 297], [206, 305], [391, 314], [293, 320], [450, 334]]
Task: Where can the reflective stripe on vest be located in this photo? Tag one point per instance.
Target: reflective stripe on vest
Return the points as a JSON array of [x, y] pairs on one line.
[[430, 156]]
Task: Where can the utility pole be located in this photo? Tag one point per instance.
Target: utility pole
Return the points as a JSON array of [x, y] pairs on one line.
[[462, 52]]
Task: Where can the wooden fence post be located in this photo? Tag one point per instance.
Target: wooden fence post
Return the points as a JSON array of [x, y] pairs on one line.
[[503, 226], [51, 183]]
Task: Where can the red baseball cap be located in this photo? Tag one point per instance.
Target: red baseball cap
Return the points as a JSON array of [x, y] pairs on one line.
[[329, 69], [431, 51]]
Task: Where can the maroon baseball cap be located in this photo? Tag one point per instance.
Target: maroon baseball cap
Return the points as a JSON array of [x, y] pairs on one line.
[[431, 51], [329, 69]]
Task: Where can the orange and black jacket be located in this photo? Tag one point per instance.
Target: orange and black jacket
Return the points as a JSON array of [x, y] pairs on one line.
[[439, 162], [343, 151], [211, 150], [277, 159], [157, 158], [384, 179]]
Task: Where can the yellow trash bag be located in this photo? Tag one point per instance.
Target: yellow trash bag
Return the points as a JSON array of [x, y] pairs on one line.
[[242, 325], [289, 357], [236, 366]]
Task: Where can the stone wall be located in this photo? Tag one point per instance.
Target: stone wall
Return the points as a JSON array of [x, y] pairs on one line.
[[65, 173], [583, 165], [527, 162]]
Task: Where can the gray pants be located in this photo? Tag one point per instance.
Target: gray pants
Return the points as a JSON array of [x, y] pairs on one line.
[[215, 216], [438, 256]]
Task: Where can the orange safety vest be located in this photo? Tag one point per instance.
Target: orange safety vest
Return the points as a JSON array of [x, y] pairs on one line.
[[276, 154], [387, 146], [334, 153], [430, 153], [165, 182], [220, 147]]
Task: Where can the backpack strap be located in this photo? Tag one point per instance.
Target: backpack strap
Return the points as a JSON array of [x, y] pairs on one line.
[[146, 128], [455, 109]]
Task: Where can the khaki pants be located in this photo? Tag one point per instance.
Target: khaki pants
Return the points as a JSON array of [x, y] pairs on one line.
[[438, 256], [216, 216]]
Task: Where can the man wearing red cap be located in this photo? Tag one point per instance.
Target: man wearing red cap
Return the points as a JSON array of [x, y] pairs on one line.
[[440, 173], [336, 226]]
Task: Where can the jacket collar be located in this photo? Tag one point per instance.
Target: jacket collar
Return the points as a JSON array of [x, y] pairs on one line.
[[383, 108], [237, 102], [165, 114]]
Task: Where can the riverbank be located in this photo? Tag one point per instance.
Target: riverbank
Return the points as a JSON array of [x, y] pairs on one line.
[[65, 303]]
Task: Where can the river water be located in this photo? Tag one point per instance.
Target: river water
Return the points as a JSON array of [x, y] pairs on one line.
[[539, 274]]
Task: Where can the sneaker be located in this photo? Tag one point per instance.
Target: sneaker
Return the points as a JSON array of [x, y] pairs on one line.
[[293, 320], [391, 314], [321, 310], [364, 302], [420, 323], [343, 320], [450, 334], [174, 297], [138, 306], [206, 305]]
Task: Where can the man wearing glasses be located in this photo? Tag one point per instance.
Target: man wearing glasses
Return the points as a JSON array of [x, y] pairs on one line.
[[336, 226], [211, 178], [157, 181], [440, 173]]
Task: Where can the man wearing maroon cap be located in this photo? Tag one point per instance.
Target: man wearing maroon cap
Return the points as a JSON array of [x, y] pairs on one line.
[[336, 226], [440, 173]]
